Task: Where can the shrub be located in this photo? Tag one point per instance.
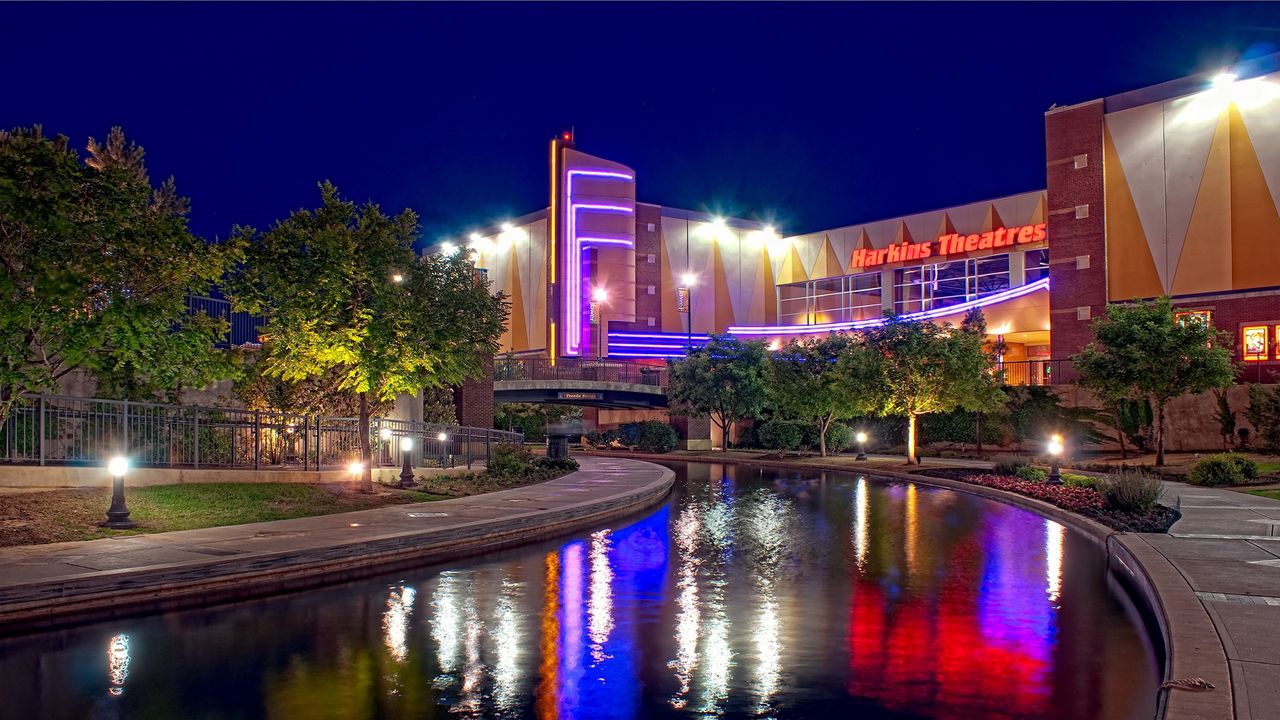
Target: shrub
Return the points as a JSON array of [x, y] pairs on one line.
[[779, 435], [510, 459], [656, 437], [1031, 474], [555, 466], [1131, 491], [1264, 414], [1248, 468], [839, 437], [1214, 471], [1008, 465], [1080, 481]]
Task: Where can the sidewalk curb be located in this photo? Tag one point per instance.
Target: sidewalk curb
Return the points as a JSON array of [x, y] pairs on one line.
[[99, 595]]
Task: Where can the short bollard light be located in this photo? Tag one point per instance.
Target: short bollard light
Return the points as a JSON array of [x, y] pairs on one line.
[[1055, 451], [406, 472], [118, 513], [862, 446], [444, 454]]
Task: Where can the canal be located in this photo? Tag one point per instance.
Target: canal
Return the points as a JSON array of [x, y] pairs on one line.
[[749, 593]]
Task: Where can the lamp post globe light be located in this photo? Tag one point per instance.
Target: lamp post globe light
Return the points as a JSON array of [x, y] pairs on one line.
[[601, 298], [1055, 451], [861, 437], [443, 438], [118, 513], [385, 436], [406, 472]]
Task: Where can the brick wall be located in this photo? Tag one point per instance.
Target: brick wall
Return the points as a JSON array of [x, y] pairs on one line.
[[1076, 224], [647, 273], [473, 400]]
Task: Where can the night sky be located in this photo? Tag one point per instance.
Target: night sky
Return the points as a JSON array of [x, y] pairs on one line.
[[809, 116]]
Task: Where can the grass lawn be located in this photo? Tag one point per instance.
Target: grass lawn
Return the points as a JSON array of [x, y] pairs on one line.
[[74, 514], [1273, 494]]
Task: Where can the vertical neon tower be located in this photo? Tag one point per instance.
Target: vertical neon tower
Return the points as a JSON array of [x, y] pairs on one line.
[[592, 230]]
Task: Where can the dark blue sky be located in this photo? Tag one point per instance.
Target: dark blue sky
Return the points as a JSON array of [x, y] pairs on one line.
[[809, 115]]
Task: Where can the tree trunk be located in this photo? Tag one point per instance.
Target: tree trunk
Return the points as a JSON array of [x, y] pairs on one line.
[[822, 436], [911, 438], [366, 451], [1160, 433], [1124, 452], [724, 434], [977, 435]]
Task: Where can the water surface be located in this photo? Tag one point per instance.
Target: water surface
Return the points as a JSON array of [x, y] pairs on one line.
[[749, 593]]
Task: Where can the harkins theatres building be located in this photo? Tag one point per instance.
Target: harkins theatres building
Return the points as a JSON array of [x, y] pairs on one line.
[[1168, 190]]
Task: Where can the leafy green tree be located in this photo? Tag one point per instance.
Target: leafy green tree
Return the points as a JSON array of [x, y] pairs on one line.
[[1226, 418], [96, 266], [805, 383], [911, 368], [1264, 414], [727, 379], [344, 296], [1139, 351]]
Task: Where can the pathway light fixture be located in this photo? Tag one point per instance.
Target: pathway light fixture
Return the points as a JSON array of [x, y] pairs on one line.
[[118, 513]]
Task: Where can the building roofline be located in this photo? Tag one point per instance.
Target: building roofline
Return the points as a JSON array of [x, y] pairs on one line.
[[1189, 85]]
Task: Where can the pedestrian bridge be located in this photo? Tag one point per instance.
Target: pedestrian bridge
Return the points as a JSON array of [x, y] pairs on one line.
[[603, 384]]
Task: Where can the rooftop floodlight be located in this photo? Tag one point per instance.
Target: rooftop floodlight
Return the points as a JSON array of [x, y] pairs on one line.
[[1223, 79], [448, 249]]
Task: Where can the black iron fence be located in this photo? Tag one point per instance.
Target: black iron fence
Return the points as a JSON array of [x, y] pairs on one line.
[[60, 430]]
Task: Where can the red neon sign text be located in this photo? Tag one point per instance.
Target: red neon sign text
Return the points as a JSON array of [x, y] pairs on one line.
[[952, 244]]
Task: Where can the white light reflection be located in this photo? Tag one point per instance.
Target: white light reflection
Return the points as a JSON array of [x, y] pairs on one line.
[[600, 599], [912, 527], [118, 663], [445, 622], [471, 697], [861, 522], [766, 520], [507, 637], [1054, 536], [395, 621], [688, 613]]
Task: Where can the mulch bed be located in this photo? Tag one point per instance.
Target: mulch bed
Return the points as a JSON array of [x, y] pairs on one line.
[[1157, 520]]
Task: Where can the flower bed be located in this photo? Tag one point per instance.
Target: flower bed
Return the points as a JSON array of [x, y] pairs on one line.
[[1082, 500], [1076, 499]]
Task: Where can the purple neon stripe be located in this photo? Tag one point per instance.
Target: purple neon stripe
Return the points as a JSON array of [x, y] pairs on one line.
[[646, 355], [604, 241], [1013, 293], [649, 346], [574, 271], [624, 334]]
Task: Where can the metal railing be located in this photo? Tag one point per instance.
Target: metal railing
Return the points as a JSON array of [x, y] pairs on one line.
[[243, 326], [1036, 372], [61, 430], [572, 368]]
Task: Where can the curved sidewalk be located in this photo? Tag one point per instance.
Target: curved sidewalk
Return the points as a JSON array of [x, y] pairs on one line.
[[45, 585]]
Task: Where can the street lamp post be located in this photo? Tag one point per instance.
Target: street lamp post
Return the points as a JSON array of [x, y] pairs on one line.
[[118, 513], [862, 446], [601, 298], [1055, 451], [406, 472], [385, 435], [443, 438]]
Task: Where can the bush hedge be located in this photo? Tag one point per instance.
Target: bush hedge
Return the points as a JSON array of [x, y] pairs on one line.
[[780, 435], [1131, 491], [1215, 471], [1008, 465], [839, 437], [1031, 474]]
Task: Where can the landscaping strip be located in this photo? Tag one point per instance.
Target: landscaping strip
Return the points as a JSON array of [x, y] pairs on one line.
[[48, 585]]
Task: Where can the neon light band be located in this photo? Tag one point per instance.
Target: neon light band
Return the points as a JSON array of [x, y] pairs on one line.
[[1010, 294]]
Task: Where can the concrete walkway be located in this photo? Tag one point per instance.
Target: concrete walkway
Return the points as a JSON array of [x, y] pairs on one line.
[[1227, 548], [42, 585]]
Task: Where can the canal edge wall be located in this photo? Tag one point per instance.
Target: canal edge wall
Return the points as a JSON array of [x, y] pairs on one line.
[[1190, 644], [102, 595]]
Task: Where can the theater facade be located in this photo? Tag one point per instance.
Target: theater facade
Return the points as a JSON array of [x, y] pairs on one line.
[[1167, 190]]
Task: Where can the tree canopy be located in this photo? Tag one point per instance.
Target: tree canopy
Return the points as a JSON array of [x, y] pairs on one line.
[[1141, 351], [727, 379], [344, 296], [806, 383], [96, 267], [910, 368]]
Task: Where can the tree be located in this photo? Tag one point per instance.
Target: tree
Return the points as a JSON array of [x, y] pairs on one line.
[[96, 267], [975, 321], [1226, 418], [344, 296], [726, 379], [805, 383], [910, 368], [1140, 351]]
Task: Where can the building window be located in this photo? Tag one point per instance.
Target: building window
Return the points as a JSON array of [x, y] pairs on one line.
[[1036, 263], [1254, 340], [949, 283], [1202, 317], [835, 299]]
